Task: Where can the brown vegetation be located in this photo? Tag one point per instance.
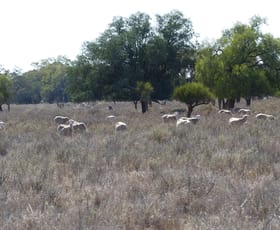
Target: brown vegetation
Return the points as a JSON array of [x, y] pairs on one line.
[[154, 176]]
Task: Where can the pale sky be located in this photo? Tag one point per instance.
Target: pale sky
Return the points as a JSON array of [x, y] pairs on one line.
[[32, 30]]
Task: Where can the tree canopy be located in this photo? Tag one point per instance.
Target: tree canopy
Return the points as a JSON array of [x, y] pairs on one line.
[[136, 60], [131, 50], [193, 94], [244, 62]]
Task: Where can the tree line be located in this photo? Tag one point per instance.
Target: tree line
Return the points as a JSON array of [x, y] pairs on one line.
[[135, 60]]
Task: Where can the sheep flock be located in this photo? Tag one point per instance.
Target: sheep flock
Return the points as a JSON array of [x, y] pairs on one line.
[[67, 126]]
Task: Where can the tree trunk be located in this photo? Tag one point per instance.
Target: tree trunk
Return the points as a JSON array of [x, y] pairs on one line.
[[220, 103], [248, 101], [229, 104], [238, 100], [1, 108], [190, 110], [144, 105]]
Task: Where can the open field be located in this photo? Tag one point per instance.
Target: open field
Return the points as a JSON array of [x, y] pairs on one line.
[[152, 176]]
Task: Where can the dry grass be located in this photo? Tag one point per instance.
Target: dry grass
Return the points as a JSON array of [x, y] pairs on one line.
[[152, 176]]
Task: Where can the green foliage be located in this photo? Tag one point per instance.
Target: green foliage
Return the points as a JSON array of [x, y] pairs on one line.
[[54, 77], [193, 93], [277, 93], [241, 63], [132, 51], [26, 88], [144, 90], [5, 89], [47, 82]]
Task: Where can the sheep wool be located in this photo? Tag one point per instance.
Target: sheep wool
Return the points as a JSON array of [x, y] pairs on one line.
[[264, 116], [120, 126], [61, 119], [238, 120]]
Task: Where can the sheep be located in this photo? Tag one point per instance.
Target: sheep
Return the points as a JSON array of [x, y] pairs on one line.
[[2, 124], [244, 111], [264, 116], [110, 116], [78, 126], [194, 119], [65, 130], [182, 121], [169, 117], [120, 126], [61, 119], [225, 111], [238, 120]]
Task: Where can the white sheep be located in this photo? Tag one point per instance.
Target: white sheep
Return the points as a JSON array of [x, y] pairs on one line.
[[264, 116], [225, 111], [78, 126], [119, 126], [61, 119], [182, 121], [194, 119], [166, 118], [244, 111], [2, 124], [65, 130], [110, 117], [238, 120]]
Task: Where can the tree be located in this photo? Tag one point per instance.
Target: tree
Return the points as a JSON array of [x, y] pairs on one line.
[[144, 90], [132, 51], [170, 53], [237, 65], [53, 74], [26, 88], [193, 94], [5, 91]]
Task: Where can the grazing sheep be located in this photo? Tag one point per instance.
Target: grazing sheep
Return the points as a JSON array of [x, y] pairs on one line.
[[61, 119], [244, 111], [2, 124], [120, 126], [264, 116], [166, 118], [194, 119], [65, 130], [238, 120], [225, 111], [78, 126], [110, 116], [182, 121]]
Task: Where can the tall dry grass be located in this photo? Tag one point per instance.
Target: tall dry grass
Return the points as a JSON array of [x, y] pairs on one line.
[[152, 176]]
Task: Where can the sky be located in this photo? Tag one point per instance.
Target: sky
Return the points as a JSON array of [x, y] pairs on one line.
[[33, 30]]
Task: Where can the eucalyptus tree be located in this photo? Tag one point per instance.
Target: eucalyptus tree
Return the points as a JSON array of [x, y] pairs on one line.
[[26, 88], [238, 64], [130, 50], [170, 53], [53, 73]]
